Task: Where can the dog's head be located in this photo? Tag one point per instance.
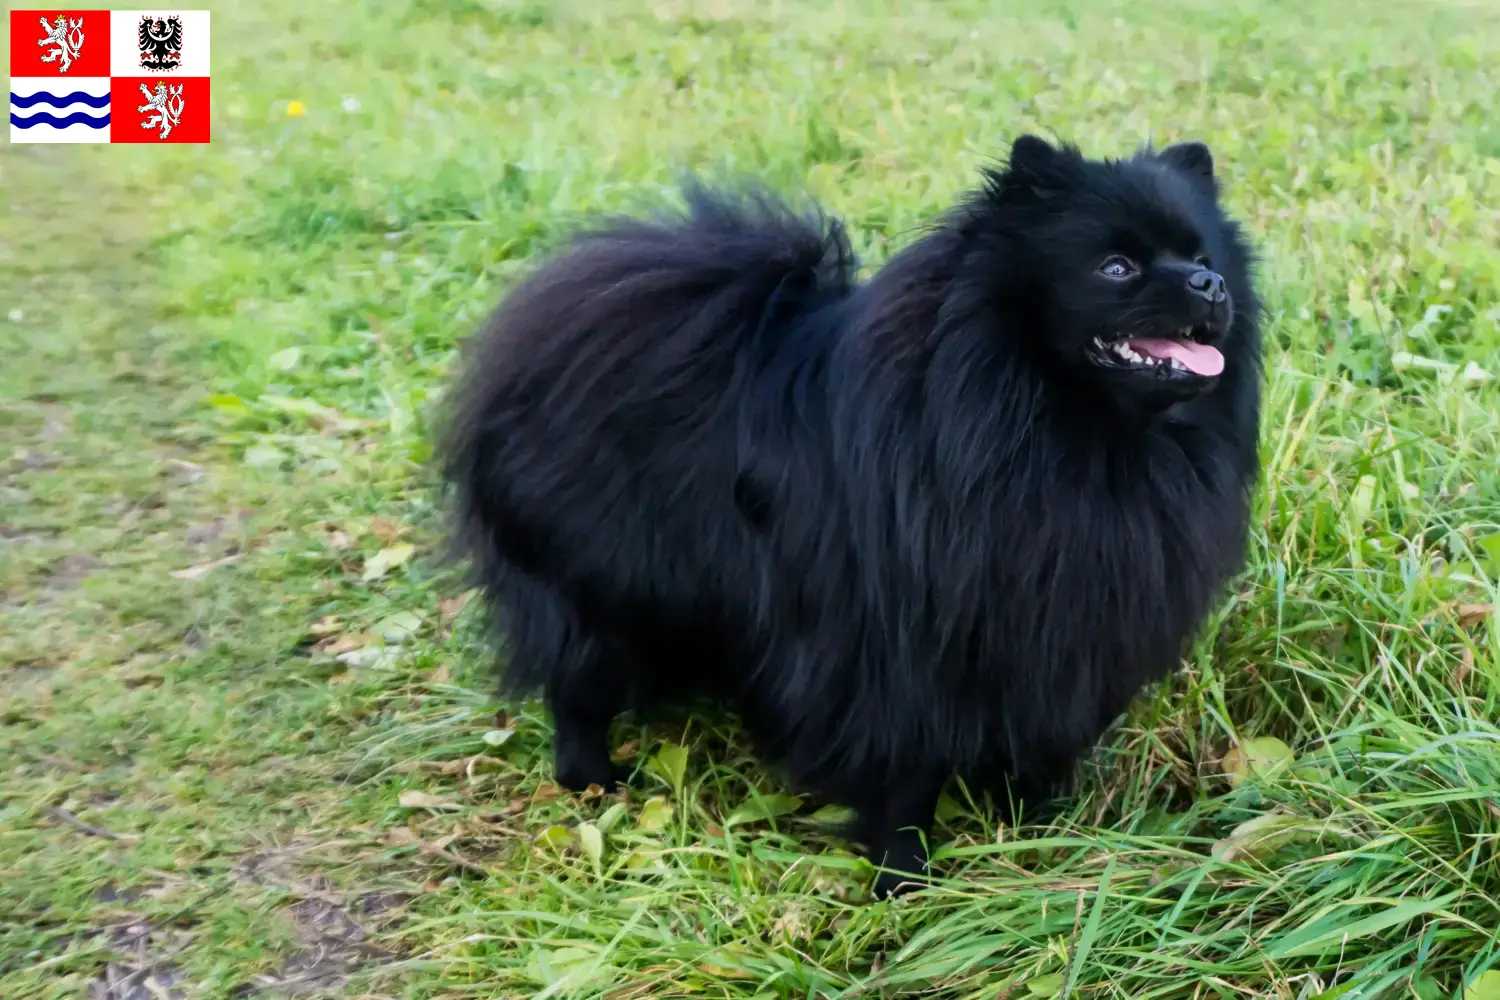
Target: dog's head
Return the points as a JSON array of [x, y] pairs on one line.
[[1128, 270]]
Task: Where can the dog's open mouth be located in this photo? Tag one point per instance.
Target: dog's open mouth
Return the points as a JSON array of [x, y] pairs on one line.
[[1178, 356]]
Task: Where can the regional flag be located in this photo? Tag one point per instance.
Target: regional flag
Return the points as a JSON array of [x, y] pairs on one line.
[[109, 76]]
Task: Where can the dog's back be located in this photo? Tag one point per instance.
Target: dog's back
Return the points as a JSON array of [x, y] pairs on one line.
[[607, 470]]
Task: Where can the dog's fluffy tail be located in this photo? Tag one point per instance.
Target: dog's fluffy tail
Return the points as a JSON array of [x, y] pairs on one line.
[[637, 320]]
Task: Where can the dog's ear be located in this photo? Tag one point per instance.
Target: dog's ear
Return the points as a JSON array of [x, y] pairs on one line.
[[1192, 158], [1033, 155], [1036, 170]]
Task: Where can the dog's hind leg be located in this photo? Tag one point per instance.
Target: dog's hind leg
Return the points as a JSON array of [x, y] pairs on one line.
[[584, 676], [896, 821], [584, 703], [1028, 790]]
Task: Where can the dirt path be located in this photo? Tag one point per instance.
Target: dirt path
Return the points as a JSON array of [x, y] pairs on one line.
[[164, 831]]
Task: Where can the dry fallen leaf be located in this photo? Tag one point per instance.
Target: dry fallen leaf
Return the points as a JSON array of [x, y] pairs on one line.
[[655, 814], [442, 675], [1262, 836], [790, 926], [449, 607], [720, 972], [441, 844], [327, 625], [343, 678], [203, 569], [1465, 667], [385, 529], [1264, 757], [370, 657], [190, 471], [337, 540], [398, 627], [413, 799], [480, 763], [339, 645], [1470, 615], [386, 560], [400, 836], [326, 419], [140, 680], [463, 765]]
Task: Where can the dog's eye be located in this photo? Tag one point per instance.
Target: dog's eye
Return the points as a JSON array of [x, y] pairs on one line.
[[1117, 268], [1204, 261]]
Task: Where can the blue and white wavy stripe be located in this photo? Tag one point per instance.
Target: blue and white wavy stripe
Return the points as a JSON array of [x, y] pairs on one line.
[[76, 97], [47, 118], [60, 110]]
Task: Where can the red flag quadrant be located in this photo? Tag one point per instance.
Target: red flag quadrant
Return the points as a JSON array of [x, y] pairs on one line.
[[159, 109], [59, 43]]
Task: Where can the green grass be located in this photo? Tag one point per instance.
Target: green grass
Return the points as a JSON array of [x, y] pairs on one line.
[[232, 353]]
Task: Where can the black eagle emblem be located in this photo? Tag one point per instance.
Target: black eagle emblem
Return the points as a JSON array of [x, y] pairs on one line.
[[161, 42]]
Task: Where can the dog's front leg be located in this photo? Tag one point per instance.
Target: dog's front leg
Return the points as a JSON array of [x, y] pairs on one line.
[[897, 819]]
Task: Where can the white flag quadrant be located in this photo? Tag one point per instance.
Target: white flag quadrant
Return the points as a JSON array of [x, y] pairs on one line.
[[161, 43]]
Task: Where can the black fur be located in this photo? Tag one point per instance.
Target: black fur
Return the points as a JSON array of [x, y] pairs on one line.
[[904, 527]]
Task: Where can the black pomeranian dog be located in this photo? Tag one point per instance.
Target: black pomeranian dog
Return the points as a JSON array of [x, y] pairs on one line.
[[949, 520]]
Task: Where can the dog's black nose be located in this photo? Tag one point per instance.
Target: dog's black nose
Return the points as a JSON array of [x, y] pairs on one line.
[[1207, 284]]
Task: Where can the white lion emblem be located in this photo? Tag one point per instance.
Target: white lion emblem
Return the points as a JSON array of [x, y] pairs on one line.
[[66, 36], [167, 103]]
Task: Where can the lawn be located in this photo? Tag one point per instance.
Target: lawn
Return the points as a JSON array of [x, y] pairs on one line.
[[248, 735]]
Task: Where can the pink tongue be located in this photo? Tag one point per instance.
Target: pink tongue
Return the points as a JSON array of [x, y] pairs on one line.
[[1200, 359]]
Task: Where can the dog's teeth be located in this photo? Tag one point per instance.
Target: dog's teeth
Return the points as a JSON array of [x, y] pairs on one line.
[[1178, 365]]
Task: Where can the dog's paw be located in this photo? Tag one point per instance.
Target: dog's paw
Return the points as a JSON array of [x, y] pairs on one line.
[[892, 884], [902, 867], [576, 777]]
